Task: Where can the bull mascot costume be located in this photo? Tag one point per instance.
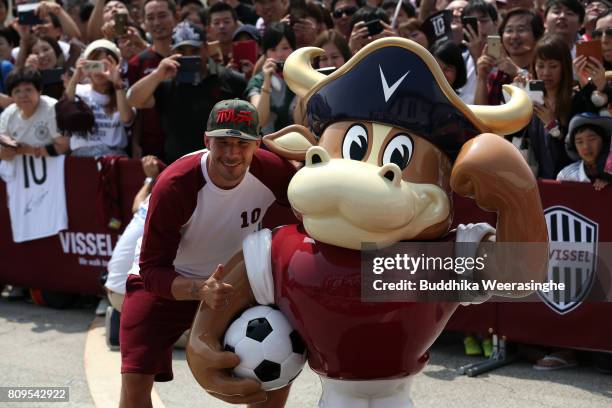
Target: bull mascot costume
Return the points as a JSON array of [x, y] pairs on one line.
[[388, 143]]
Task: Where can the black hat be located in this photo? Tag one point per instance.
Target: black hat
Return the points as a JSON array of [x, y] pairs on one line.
[[393, 86], [397, 82]]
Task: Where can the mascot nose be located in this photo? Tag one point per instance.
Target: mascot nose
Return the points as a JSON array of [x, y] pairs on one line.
[[392, 173], [316, 155]]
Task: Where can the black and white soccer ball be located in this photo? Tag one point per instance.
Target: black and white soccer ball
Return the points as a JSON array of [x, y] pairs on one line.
[[270, 350]]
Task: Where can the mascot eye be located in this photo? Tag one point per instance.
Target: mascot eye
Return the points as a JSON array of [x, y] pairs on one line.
[[398, 151], [355, 144]]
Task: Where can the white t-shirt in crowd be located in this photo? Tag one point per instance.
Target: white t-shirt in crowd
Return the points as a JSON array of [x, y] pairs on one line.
[[38, 130], [127, 252], [108, 129], [574, 172]]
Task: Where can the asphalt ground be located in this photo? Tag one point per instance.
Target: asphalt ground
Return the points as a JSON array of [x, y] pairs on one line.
[[46, 347]]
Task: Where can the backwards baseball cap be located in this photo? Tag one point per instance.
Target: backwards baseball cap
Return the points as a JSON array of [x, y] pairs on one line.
[[249, 29], [233, 118], [187, 34], [102, 44]]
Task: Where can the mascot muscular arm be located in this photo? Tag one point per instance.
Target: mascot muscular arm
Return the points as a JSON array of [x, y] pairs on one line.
[[382, 161]]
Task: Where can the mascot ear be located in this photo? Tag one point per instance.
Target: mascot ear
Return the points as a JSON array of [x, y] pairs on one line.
[[291, 142]]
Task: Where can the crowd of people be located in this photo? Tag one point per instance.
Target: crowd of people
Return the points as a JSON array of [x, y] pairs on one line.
[[137, 78], [162, 66]]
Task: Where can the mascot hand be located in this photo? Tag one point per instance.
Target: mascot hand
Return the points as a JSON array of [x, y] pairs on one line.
[[211, 365], [216, 379], [491, 170]]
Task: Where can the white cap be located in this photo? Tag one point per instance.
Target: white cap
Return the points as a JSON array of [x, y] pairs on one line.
[[104, 44]]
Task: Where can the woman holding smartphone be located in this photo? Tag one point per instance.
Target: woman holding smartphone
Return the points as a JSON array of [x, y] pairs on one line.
[[520, 29], [548, 127], [45, 55], [105, 95], [267, 90]]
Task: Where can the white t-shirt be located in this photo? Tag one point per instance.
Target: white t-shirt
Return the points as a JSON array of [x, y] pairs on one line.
[[574, 172], [127, 251], [38, 130], [36, 196], [108, 129]]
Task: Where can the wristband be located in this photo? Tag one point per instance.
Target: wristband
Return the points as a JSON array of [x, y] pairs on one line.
[[50, 148], [149, 180], [120, 87]]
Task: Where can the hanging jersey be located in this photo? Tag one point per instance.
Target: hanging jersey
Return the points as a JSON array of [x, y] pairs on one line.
[[36, 196], [192, 225]]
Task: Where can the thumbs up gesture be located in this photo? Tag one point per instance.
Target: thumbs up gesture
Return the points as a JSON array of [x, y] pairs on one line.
[[214, 292]]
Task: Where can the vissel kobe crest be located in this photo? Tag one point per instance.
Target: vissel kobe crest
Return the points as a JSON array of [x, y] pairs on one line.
[[572, 257]]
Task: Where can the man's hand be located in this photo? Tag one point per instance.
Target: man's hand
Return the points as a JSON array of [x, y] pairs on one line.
[[358, 37], [474, 42], [167, 68], [47, 7], [215, 293], [150, 166]]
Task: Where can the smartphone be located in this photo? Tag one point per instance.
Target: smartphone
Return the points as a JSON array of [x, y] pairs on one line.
[[93, 67], [471, 22], [374, 27], [494, 46], [535, 91], [51, 76], [280, 66], [214, 50], [26, 14], [121, 22], [8, 141], [590, 49], [190, 69], [244, 50], [327, 70]]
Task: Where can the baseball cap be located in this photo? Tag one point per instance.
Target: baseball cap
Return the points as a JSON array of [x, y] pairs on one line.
[[103, 44], [233, 118], [186, 34], [250, 29]]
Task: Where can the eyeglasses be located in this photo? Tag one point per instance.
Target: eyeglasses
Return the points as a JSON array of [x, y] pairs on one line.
[[347, 11], [600, 33], [518, 30]]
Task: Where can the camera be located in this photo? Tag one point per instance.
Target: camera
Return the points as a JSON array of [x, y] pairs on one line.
[[280, 66]]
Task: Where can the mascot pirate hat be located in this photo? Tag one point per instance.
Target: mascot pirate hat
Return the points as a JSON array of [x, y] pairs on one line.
[[395, 81]]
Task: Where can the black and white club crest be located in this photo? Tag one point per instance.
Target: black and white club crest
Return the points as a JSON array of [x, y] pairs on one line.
[[570, 231]]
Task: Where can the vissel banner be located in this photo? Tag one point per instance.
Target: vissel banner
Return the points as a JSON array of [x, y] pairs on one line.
[[73, 260]]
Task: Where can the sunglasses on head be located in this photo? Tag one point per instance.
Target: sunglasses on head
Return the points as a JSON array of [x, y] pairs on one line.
[[347, 11], [599, 33]]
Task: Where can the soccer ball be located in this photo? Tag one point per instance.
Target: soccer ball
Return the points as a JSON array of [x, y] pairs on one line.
[[270, 350]]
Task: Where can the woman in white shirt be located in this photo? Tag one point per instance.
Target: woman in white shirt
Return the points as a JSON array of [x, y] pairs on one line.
[[30, 121], [105, 94], [588, 141]]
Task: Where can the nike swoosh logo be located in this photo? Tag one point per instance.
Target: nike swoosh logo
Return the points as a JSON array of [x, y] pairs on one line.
[[389, 91]]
